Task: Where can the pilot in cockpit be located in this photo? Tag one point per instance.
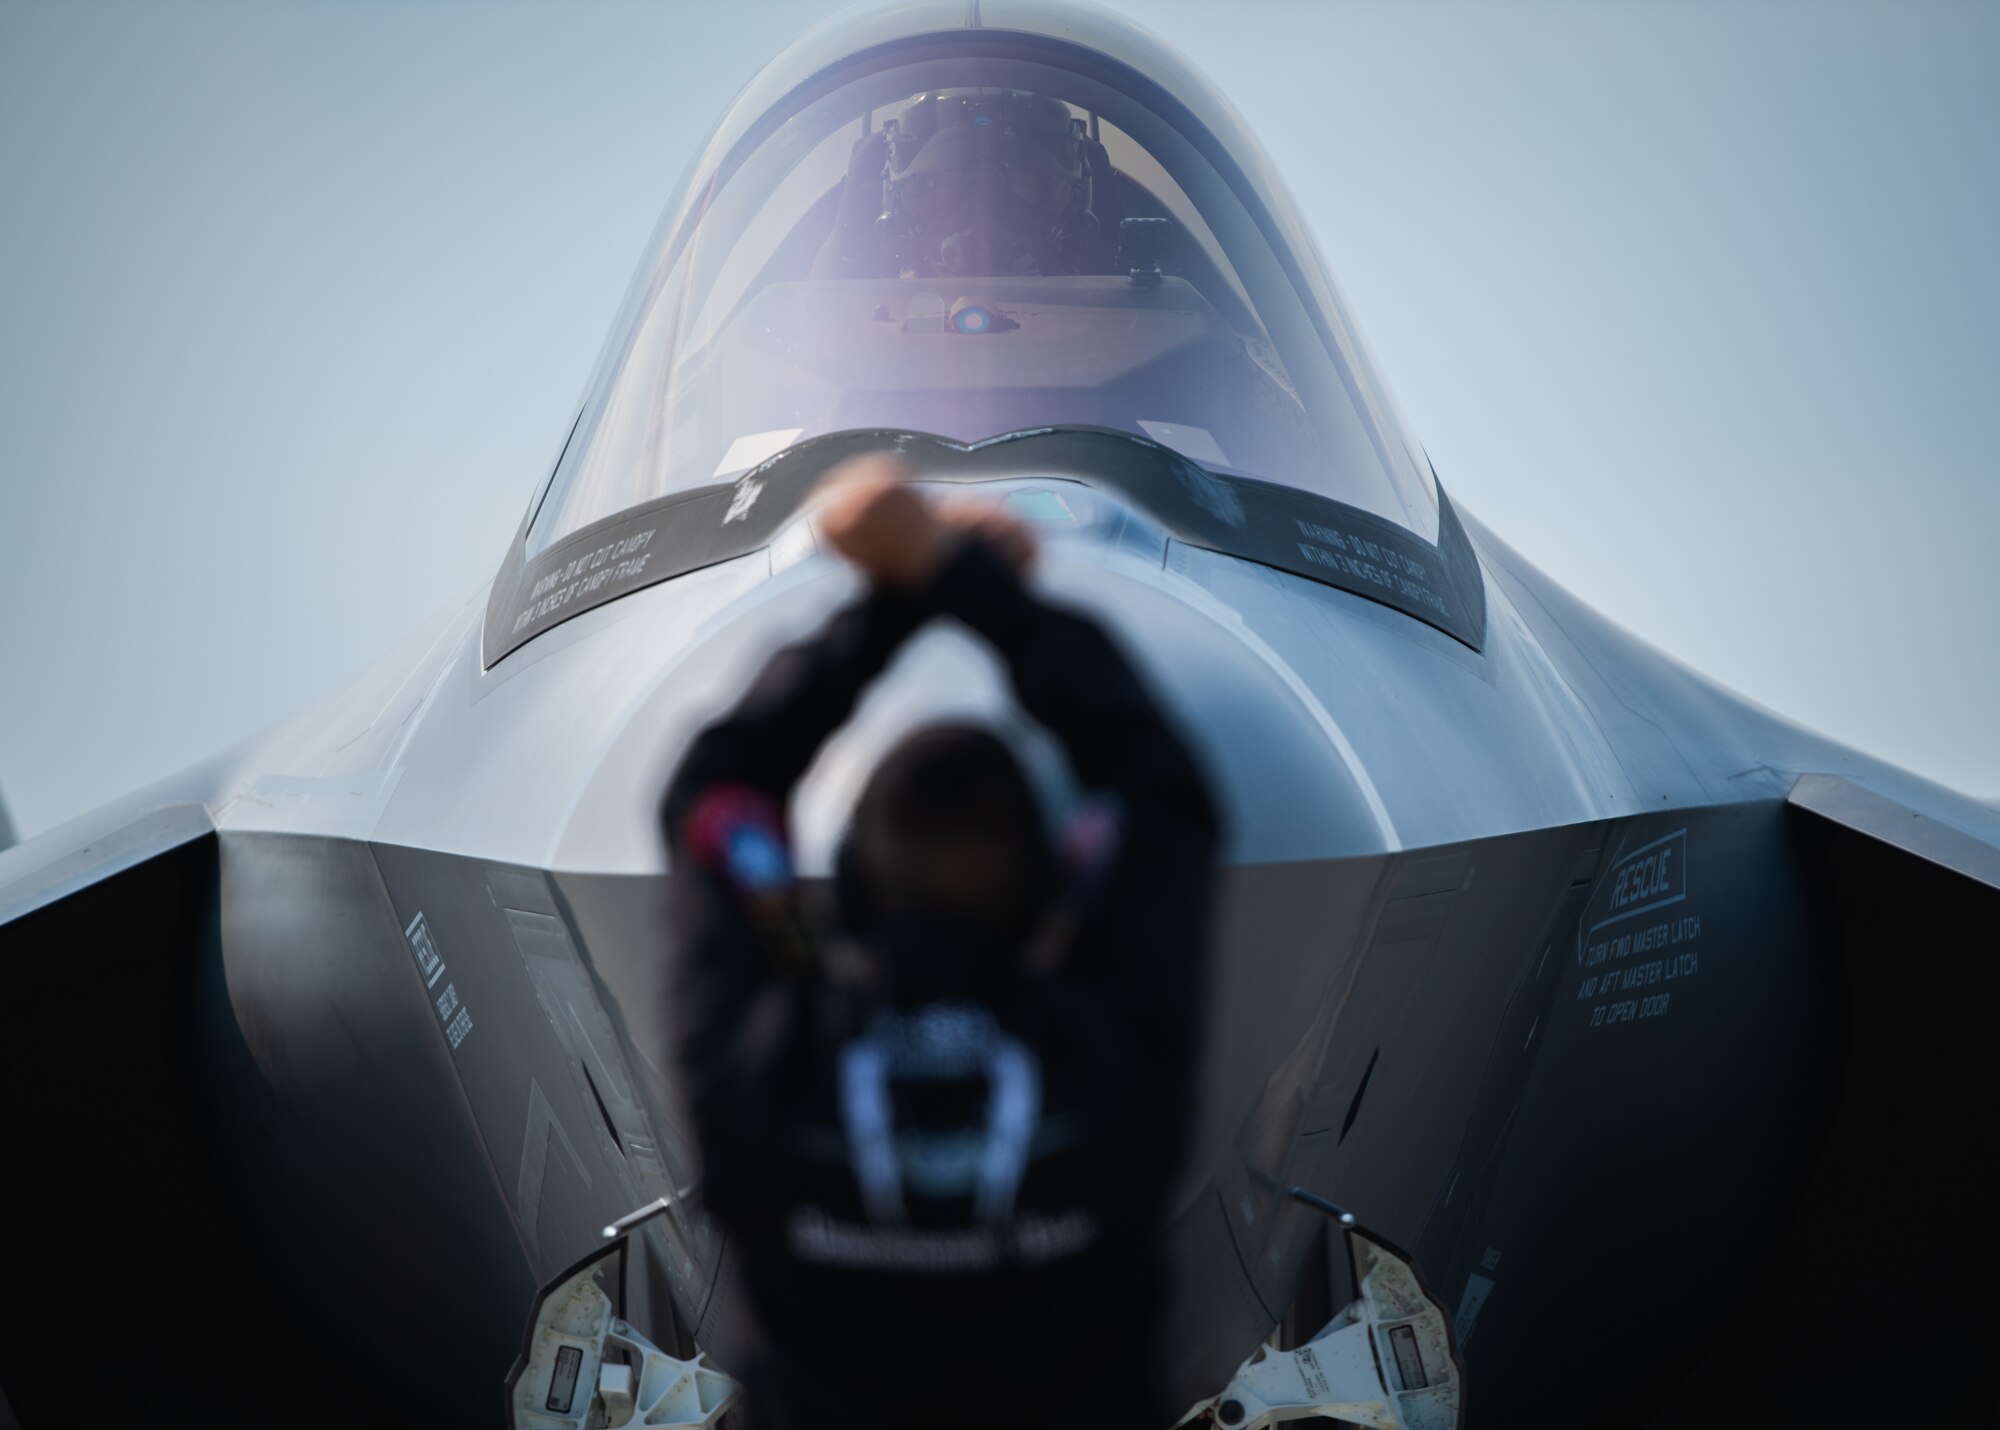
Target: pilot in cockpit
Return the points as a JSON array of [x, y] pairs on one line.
[[975, 183]]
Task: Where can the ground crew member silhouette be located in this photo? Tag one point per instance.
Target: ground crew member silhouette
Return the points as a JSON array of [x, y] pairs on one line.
[[940, 1125]]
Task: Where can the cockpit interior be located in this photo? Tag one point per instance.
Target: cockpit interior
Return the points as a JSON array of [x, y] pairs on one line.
[[968, 246]]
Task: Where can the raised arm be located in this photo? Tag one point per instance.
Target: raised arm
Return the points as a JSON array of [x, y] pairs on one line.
[[808, 690], [1072, 678], [1139, 951], [743, 955], [743, 960], [802, 696]]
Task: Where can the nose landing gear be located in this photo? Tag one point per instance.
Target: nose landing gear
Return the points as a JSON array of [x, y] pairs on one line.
[[1387, 1361]]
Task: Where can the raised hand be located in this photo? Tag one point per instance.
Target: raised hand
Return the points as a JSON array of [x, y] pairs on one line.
[[881, 524], [897, 536]]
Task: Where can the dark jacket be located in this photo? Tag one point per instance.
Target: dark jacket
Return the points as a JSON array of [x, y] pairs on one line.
[[895, 1276]]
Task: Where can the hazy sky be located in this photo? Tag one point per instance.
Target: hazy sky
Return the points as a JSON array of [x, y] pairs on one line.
[[1698, 305]]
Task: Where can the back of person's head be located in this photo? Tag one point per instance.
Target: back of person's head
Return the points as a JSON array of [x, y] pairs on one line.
[[947, 869]]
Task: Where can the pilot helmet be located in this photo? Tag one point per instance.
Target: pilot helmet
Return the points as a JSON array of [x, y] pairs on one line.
[[986, 179]]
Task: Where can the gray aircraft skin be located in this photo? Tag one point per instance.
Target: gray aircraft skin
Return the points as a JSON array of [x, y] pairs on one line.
[[1654, 1026]]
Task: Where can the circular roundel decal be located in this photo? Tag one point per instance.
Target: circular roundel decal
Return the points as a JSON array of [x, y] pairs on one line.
[[973, 319]]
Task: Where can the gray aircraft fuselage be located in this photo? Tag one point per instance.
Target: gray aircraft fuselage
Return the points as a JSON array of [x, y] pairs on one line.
[[1652, 1025]]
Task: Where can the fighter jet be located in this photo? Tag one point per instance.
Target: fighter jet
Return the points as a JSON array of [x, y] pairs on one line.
[[1644, 1033]]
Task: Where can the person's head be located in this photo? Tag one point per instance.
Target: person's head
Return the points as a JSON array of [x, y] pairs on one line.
[[948, 869], [987, 178]]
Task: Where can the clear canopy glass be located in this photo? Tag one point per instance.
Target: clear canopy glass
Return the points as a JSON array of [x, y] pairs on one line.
[[964, 237]]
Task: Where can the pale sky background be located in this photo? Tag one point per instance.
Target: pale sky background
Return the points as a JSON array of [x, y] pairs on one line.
[[1696, 304]]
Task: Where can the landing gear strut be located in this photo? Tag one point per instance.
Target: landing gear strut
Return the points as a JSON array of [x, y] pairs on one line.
[[1387, 1361]]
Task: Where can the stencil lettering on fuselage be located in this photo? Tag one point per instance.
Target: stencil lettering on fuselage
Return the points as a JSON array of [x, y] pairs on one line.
[[1372, 563], [1639, 943], [430, 963], [453, 1016], [585, 575]]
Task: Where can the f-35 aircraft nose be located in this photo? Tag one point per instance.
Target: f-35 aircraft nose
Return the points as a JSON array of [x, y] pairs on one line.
[[1288, 784]]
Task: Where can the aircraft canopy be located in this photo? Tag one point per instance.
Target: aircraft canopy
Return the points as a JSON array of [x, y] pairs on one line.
[[1035, 219]]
